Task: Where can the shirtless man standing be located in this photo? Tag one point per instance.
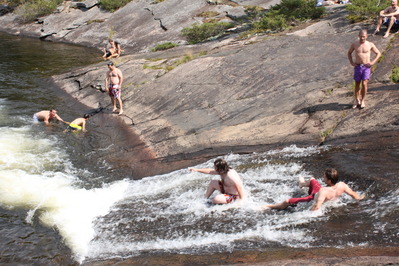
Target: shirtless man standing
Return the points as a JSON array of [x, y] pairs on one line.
[[362, 64], [320, 194], [230, 186], [46, 116], [113, 84], [388, 17]]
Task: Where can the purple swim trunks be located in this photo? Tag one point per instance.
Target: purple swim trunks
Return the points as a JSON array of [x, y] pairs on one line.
[[362, 72]]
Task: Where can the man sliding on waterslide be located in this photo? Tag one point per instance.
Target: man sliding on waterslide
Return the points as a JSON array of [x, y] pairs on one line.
[[320, 194], [230, 185]]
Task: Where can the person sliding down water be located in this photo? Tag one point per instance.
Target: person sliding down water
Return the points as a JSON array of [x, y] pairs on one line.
[[78, 124], [230, 184], [318, 193]]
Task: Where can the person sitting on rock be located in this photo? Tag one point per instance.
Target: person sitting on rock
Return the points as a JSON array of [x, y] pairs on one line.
[[118, 50], [108, 53], [388, 17]]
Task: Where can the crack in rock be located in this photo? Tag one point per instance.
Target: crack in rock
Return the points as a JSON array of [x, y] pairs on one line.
[[160, 20]]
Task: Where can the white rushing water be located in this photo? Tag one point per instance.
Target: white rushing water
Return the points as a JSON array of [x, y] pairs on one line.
[[167, 213], [163, 213], [36, 175]]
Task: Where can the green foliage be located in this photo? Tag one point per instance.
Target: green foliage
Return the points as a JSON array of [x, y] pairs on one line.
[[273, 21], [254, 12], [200, 33], [170, 64], [12, 3], [395, 75], [95, 21], [299, 9], [112, 5], [361, 10], [111, 33], [324, 134], [208, 14], [288, 11], [29, 11], [163, 46]]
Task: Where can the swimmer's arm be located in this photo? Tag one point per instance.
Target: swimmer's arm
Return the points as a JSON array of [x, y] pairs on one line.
[[60, 119], [84, 126], [320, 198], [208, 171], [46, 120], [353, 194]]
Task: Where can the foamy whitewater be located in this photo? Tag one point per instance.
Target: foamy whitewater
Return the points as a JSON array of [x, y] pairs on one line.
[[164, 213], [37, 176], [168, 213]]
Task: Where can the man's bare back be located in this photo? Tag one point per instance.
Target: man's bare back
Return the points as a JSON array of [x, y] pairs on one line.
[[333, 193], [230, 179], [47, 115], [78, 124], [231, 185]]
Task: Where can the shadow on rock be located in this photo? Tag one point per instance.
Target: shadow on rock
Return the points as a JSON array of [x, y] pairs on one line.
[[393, 87], [323, 107]]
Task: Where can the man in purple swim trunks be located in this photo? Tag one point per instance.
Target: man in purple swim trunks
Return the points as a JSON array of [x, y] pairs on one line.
[[362, 65]]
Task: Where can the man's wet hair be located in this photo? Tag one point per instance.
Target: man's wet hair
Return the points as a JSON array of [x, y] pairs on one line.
[[110, 63], [221, 166], [86, 116], [332, 175]]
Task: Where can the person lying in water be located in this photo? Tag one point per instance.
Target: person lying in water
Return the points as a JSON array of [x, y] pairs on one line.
[[318, 193], [78, 124], [230, 185], [46, 116]]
